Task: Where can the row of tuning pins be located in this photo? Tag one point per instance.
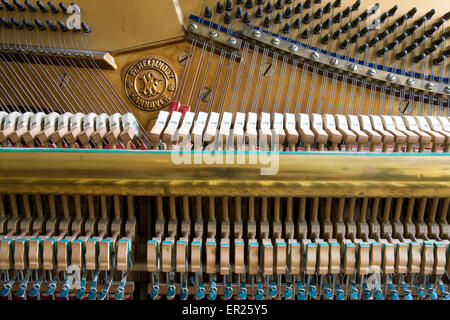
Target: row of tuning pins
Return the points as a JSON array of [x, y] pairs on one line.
[[27, 4]]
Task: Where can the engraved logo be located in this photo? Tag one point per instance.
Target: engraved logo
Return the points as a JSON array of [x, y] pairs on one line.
[[150, 84]]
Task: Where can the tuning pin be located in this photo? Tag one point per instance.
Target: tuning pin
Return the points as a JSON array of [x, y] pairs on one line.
[[412, 12], [356, 22], [86, 28], [62, 26], [430, 31], [438, 42], [356, 5], [373, 41], [400, 21], [19, 5], [307, 4], [411, 47], [430, 49], [411, 30], [5, 22], [28, 24], [229, 6], [430, 14], [246, 18], [287, 27], [317, 1], [327, 8], [30, 6], [63, 7], [383, 34], [208, 13], [363, 16], [53, 8], [17, 23], [288, 1], [346, 12], [42, 7], [402, 37], [420, 21], [307, 18], [8, 5], [318, 14], [363, 48], [317, 28], [249, 4], [382, 51], [219, 7], [278, 18], [355, 37], [266, 22], [439, 23], [279, 4], [364, 31], [344, 44], [288, 13], [392, 45], [239, 13], [337, 34], [325, 38], [446, 16], [326, 24], [392, 27], [39, 24], [305, 33], [337, 18], [421, 39], [298, 8], [393, 10], [346, 27], [446, 35], [298, 23], [419, 58], [401, 54], [337, 3], [269, 7], [259, 12], [227, 18], [439, 60], [258, 2]]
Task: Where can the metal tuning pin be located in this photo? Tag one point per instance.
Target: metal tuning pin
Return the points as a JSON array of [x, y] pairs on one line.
[[208, 13], [17, 23], [363, 16], [384, 16], [288, 13], [39, 24], [266, 22], [337, 18], [246, 18], [305, 34], [62, 26], [344, 44], [419, 57], [30, 6], [337, 3], [86, 28], [54, 9], [307, 18], [259, 12], [20, 6], [327, 23], [279, 5], [346, 27], [307, 4], [430, 31], [356, 22], [219, 7], [63, 7], [393, 10], [356, 5], [363, 48], [355, 37], [229, 5], [239, 2], [364, 31], [239, 13], [382, 51], [373, 41], [337, 34], [278, 18], [346, 12], [430, 14], [383, 35], [287, 27], [227, 18], [298, 8], [327, 8], [317, 28], [325, 39], [318, 14], [297, 23], [392, 27], [411, 13], [28, 24], [249, 4], [392, 45]]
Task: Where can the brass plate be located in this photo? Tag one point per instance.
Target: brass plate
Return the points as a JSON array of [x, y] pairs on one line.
[[150, 84]]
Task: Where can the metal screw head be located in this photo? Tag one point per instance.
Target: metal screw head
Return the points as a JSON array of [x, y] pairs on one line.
[[275, 41], [193, 26], [213, 34], [352, 67], [410, 82], [232, 41], [314, 55], [334, 61], [390, 77], [447, 90], [429, 86], [372, 72], [256, 33], [293, 48]]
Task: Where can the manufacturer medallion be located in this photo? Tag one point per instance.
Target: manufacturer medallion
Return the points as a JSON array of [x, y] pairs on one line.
[[150, 84]]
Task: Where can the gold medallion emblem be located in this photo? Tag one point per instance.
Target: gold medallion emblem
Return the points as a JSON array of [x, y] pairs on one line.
[[150, 84]]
